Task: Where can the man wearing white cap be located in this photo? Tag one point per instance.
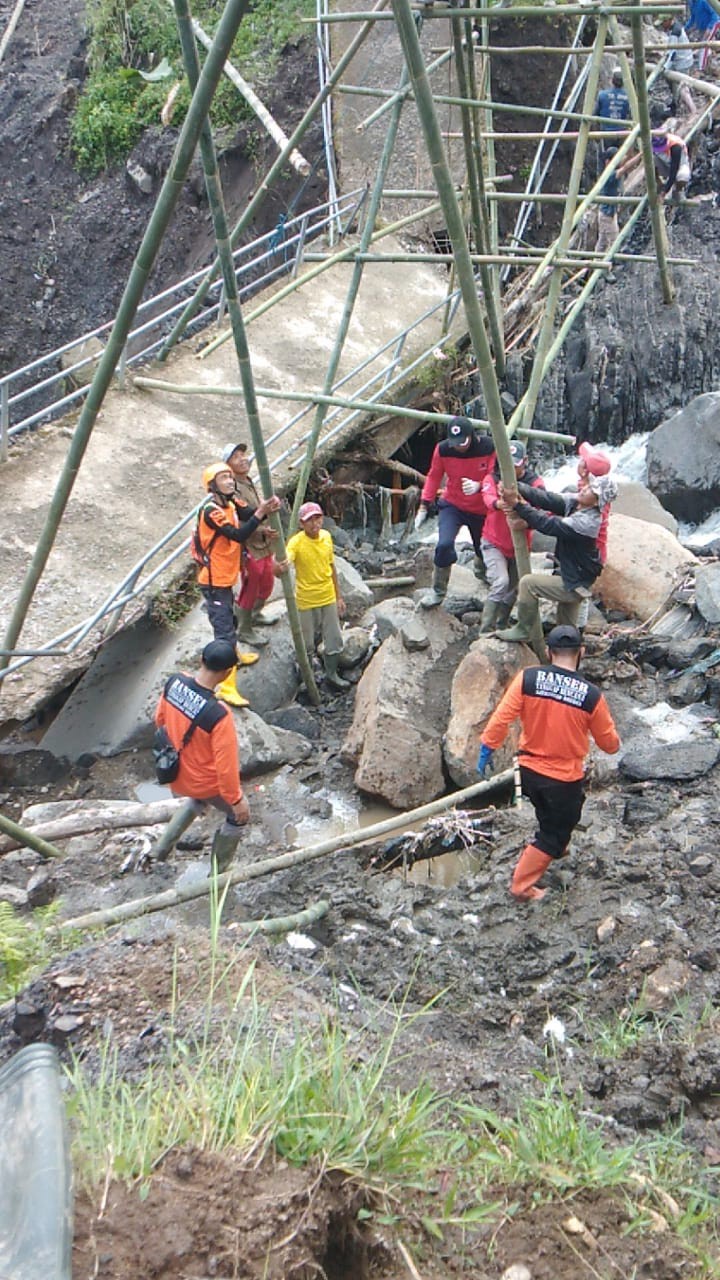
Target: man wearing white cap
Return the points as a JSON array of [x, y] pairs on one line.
[[317, 591]]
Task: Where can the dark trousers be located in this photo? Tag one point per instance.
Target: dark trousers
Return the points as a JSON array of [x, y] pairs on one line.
[[450, 521], [558, 809], [219, 603]]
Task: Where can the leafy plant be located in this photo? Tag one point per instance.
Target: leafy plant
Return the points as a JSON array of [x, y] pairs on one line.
[[24, 947]]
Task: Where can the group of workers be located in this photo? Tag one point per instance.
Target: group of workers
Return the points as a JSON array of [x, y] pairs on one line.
[[558, 708]]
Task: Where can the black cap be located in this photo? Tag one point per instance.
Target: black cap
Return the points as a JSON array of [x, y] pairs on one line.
[[459, 432], [564, 637], [219, 655]]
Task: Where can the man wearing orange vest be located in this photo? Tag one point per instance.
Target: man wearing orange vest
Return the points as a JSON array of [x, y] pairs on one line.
[[672, 163], [221, 534], [559, 711]]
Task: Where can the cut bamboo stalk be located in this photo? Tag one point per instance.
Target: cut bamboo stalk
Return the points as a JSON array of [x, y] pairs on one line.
[[350, 300], [526, 257], [456, 231], [27, 839], [255, 870], [563, 240], [132, 295], [10, 28], [216, 202], [657, 218], [275, 169], [511, 14], [279, 137]]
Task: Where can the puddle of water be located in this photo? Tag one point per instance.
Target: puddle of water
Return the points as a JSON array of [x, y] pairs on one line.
[[146, 792]]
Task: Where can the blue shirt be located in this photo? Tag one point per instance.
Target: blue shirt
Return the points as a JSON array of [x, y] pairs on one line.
[[613, 104], [611, 188]]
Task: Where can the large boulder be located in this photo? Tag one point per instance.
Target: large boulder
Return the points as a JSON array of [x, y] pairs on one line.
[[707, 592], [644, 562], [356, 595], [401, 710], [662, 761], [389, 616], [264, 747], [480, 681], [635, 500], [683, 459]]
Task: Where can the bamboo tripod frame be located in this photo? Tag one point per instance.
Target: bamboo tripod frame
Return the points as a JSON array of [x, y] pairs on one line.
[[473, 245]]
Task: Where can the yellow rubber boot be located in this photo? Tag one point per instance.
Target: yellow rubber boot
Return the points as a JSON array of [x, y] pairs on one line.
[[228, 691], [246, 659]]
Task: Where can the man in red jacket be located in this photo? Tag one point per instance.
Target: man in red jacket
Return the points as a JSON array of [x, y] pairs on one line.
[[203, 732], [559, 711], [464, 458]]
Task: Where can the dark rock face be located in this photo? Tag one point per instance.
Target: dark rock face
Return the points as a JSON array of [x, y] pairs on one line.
[[630, 360], [30, 766], [644, 760], [684, 459]]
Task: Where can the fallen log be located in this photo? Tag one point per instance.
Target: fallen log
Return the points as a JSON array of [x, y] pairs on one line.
[[83, 821], [254, 870]]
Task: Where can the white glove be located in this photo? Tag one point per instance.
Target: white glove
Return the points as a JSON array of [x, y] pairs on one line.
[[420, 517], [469, 487]]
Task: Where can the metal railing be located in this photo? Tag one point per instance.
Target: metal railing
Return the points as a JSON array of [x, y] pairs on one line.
[[136, 581], [257, 264]]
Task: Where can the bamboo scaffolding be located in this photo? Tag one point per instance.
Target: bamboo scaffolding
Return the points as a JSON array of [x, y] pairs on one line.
[[618, 46], [374, 407], [456, 231], [350, 300], [512, 13], [469, 100], [273, 172], [656, 214], [536, 135], [140, 271], [513, 257], [25, 838], [563, 240], [342, 255], [216, 202], [255, 870], [381, 111], [476, 188]]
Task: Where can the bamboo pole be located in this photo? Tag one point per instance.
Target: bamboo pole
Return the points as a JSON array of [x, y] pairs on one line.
[[368, 406], [350, 300], [216, 202], [255, 870], [279, 137], [456, 231], [656, 213], [275, 169], [476, 191], [27, 839], [526, 257], [563, 239], [535, 135], [10, 28], [624, 64], [511, 14], [471, 100], [140, 271], [618, 46], [489, 153], [380, 111], [342, 255]]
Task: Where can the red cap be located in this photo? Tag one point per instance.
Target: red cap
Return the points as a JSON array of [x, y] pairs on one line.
[[309, 509], [597, 463]]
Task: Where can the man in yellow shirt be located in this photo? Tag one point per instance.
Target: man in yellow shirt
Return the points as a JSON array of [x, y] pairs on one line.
[[319, 601]]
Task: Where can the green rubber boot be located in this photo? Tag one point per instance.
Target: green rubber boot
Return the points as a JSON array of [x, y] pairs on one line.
[[174, 829], [503, 617], [523, 627], [332, 675], [438, 591], [491, 616], [223, 849], [245, 629], [258, 617]]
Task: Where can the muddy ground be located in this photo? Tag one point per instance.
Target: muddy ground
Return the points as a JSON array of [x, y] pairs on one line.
[[627, 935]]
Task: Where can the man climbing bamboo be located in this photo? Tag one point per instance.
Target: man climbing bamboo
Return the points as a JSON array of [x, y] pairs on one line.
[[559, 711]]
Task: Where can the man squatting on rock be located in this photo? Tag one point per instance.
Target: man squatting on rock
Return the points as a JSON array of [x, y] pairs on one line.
[[258, 566], [465, 458], [203, 732], [221, 534], [559, 710], [576, 527]]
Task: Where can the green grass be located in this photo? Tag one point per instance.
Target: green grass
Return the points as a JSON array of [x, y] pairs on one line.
[[25, 947], [133, 39], [321, 1096]]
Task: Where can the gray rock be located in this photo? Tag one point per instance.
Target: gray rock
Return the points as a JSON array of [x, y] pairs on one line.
[[296, 720], [139, 177], [643, 760], [635, 500], [683, 653], [389, 616], [683, 459], [13, 895], [356, 646], [273, 681], [41, 889], [25, 765], [263, 747], [356, 595], [707, 591], [687, 689], [414, 635]]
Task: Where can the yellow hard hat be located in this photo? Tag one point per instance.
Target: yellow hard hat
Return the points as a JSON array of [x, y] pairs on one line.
[[212, 471]]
